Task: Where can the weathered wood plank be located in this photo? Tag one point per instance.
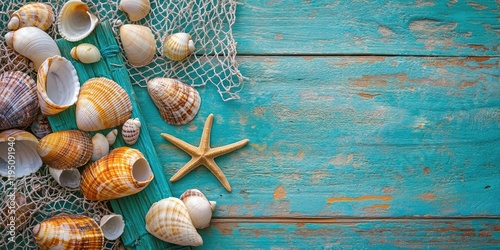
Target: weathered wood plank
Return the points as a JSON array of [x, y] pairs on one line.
[[349, 136], [425, 27]]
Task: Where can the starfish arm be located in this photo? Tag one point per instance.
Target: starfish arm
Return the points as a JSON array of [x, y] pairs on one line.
[[186, 147], [192, 164], [212, 166], [205, 137], [218, 151]]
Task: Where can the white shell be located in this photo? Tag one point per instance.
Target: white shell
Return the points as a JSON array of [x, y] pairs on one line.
[[76, 21], [66, 177], [100, 146], [139, 44], [32, 43], [27, 160], [111, 136], [86, 53], [130, 131], [135, 9], [112, 226], [178, 46], [199, 207]]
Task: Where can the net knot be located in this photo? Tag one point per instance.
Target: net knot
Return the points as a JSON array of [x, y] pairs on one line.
[[110, 51]]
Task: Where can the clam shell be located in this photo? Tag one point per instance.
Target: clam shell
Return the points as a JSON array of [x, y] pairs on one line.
[[18, 102], [111, 136], [122, 172], [41, 126], [100, 146], [130, 131], [178, 46], [24, 210], [135, 9], [32, 43], [169, 220], [177, 102], [66, 177], [69, 232], [38, 15], [112, 226], [24, 145], [65, 149], [199, 207], [102, 104], [75, 21], [57, 85], [86, 53], [139, 44]]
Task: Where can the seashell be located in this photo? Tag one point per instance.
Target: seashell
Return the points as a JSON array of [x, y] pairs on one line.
[[122, 172], [178, 46], [100, 146], [135, 9], [102, 104], [177, 102], [65, 149], [139, 44], [18, 102], [24, 145], [23, 211], [57, 84], [111, 136], [169, 220], [112, 226], [86, 53], [200, 209], [66, 177], [130, 131], [76, 21], [39, 15], [41, 126], [69, 232], [32, 43]]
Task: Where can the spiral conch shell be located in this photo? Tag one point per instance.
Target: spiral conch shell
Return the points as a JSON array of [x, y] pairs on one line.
[[130, 131], [169, 220], [26, 160], [178, 46], [18, 102], [32, 43], [136, 9], [122, 172], [33, 14], [139, 44], [177, 102], [76, 21], [199, 207], [86, 53], [65, 149]]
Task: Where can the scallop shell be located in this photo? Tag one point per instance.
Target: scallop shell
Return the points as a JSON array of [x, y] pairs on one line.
[[24, 145], [111, 136], [69, 232], [66, 177], [86, 53], [139, 44], [178, 46], [32, 43], [177, 102], [169, 220], [75, 21], [18, 102], [39, 15], [100, 146], [135, 9], [57, 84], [65, 149], [112, 226], [102, 104], [24, 210], [41, 126], [122, 172], [130, 131], [199, 207]]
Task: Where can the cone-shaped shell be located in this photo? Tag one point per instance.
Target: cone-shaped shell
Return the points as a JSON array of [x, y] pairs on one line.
[[24, 145], [41, 126], [122, 172], [66, 177], [57, 85], [75, 21], [178, 46], [169, 220], [177, 102], [135, 9], [32, 43], [100, 146], [33, 14], [86, 53], [199, 207], [130, 131], [65, 149], [69, 232], [102, 104], [112, 226], [111, 136], [139, 44], [18, 102]]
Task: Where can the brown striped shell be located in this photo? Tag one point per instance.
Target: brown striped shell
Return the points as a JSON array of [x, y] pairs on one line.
[[122, 172], [178, 46], [177, 102], [26, 159], [199, 207], [65, 149], [130, 131], [39, 15], [18, 101]]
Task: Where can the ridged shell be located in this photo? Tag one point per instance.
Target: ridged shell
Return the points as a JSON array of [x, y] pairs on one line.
[[122, 172], [41, 126], [130, 131], [33, 14], [178, 46], [57, 84], [18, 102], [135, 9], [100, 146], [27, 160], [102, 104], [177, 102], [24, 210], [69, 232], [86, 53], [139, 44], [32, 43], [66, 177], [199, 207], [112, 226], [169, 220], [75, 21], [65, 149]]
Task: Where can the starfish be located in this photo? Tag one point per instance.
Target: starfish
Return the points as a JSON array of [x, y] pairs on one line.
[[203, 154]]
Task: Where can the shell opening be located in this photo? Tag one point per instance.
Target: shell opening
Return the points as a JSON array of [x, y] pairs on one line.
[[27, 159], [112, 226], [57, 87], [70, 178], [141, 170]]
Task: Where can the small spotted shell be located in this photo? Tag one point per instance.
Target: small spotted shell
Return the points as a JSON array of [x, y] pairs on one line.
[[38, 15], [86, 53], [130, 131], [178, 46]]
